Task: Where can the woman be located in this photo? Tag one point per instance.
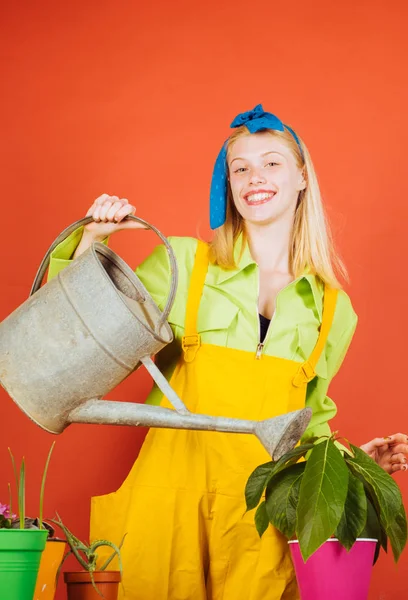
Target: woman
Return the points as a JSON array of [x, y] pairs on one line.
[[248, 343]]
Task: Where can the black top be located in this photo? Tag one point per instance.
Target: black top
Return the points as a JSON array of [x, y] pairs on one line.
[[264, 323]]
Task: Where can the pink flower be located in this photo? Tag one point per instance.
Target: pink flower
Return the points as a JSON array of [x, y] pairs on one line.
[[5, 511]]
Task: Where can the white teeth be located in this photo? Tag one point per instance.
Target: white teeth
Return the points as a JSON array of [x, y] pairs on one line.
[[258, 197]]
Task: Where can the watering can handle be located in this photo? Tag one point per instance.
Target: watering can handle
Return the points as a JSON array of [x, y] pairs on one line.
[[62, 236]]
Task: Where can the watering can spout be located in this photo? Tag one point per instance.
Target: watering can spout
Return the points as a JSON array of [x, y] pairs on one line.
[[278, 435]]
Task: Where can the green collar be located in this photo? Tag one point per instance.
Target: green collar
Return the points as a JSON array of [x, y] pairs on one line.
[[219, 276]]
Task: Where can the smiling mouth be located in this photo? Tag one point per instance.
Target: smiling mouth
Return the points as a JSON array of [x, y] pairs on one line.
[[258, 198]]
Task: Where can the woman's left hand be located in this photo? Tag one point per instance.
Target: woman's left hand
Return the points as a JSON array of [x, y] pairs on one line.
[[390, 453]]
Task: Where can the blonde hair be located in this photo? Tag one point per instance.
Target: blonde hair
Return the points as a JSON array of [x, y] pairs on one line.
[[312, 246]]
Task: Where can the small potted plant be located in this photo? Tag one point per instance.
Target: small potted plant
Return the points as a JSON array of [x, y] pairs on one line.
[[22, 540], [337, 508], [94, 581]]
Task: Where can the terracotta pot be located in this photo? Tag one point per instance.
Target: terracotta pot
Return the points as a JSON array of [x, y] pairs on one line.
[[50, 561], [79, 585]]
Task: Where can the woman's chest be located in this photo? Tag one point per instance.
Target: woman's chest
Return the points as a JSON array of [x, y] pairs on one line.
[[228, 315], [270, 285]]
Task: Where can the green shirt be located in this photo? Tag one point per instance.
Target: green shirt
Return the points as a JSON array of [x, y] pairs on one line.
[[228, 316]]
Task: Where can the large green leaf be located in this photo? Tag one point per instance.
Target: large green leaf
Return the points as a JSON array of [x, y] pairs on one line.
[[257, 483], [261, 519], [382, 486], [322, 496], [354, 516], [282, 496], [397, 533], [260, 477], [372, 524], [373, 528]]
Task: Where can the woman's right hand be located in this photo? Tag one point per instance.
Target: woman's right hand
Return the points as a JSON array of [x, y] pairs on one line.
[[108, 213]]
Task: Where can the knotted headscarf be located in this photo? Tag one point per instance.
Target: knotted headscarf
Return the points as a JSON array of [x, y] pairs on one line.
[[255, 120]]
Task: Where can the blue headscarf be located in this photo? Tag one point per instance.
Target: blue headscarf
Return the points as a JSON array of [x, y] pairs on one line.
[[255, 120]]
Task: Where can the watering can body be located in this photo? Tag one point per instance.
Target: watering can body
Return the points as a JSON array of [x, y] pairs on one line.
[[85, 331], [77, 338]]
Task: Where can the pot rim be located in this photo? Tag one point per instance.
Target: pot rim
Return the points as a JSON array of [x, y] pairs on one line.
[[336, 540], [99, 576], [18, 530]]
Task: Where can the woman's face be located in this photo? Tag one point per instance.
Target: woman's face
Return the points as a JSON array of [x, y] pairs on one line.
[[265, 180]]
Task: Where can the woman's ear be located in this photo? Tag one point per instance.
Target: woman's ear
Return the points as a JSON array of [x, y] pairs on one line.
[[302, 181]]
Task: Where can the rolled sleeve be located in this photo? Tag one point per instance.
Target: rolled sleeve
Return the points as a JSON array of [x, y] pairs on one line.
[[154, 272], [62, 255], [323, 407]]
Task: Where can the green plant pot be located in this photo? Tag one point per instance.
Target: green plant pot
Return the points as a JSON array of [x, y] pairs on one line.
[[20, 555]]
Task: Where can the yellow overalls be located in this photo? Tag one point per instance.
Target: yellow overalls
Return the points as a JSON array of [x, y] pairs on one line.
[[182, 505]]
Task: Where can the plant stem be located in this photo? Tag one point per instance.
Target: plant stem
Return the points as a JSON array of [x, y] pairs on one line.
[[21, 495], [10, 505], [44, 477], [13, 462]]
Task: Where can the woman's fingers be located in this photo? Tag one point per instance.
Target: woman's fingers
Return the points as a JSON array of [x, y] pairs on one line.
[[106, 206], [124, 211], [398, 438], [107, 213], [394, 467], [375, 444], [115, 207], [398, 458], [97, 202], [381, 444], [97, 211], [399, 448]]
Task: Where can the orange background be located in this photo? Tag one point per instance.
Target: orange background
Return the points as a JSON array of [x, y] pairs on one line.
[[135, 99]]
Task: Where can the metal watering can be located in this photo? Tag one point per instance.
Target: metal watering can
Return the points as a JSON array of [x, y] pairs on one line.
[[85, 331]]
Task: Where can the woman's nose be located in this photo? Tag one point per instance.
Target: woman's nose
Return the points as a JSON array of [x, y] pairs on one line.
[[257, 177]]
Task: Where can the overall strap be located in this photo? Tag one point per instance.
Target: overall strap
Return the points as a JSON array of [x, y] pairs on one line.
[[307, 370], [191, 339]]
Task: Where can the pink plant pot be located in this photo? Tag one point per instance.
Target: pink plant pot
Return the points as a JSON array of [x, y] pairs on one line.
[[332, 572]]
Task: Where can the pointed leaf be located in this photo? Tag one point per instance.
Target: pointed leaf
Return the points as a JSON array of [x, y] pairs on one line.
[[256, 484], [322, 496], [294, 455], [112, 556], [260, 477], [354, 516], [282, 496], [43, 480], [382, 486], [261, 519], [397, 533], [373, 529], [21, 495]]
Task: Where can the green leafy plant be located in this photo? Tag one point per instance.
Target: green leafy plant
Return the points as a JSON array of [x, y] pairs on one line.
[[86, 554], [330, 494], [8, 520]]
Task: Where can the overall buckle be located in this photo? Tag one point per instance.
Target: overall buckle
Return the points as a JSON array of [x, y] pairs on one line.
[[190, 345], [305, 374]]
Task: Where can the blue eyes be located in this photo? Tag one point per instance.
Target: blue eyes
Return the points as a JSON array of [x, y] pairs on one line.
[[242, 169]]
